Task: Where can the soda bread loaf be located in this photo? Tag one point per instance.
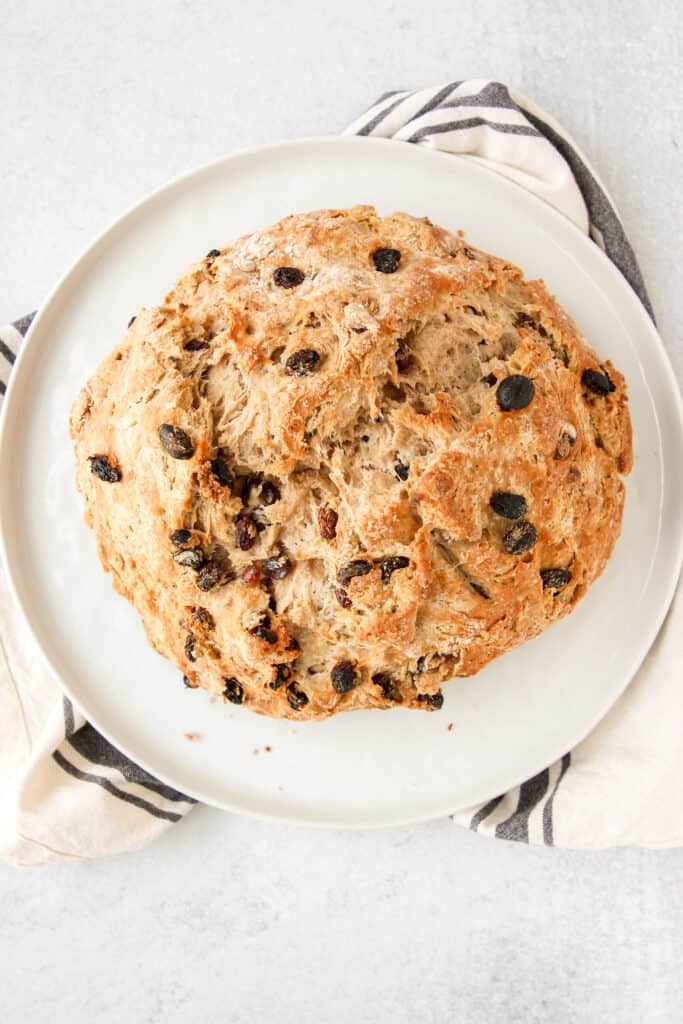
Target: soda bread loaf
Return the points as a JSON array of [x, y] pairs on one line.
[[348, 458]]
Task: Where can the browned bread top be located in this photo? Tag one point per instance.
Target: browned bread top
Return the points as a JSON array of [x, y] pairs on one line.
[[348, 458]]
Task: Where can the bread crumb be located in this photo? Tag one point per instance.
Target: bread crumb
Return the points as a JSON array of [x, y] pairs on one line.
[[267, 749], [450, 727], [191, 736]]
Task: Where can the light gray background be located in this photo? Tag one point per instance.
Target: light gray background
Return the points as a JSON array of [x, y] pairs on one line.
[[228, 919]]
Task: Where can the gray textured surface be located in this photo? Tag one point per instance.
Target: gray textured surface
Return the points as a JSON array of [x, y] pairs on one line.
[[229, 919], [232, 920]]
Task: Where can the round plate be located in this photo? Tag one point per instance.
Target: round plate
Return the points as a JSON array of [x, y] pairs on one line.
[[370, 767]]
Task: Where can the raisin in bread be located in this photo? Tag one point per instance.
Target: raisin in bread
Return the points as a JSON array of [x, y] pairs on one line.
[[347, 459]]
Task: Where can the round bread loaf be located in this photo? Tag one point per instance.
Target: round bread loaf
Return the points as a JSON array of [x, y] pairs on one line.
[[350, 457]]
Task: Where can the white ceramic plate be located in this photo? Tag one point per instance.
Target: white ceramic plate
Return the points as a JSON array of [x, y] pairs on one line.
[[367, 768]]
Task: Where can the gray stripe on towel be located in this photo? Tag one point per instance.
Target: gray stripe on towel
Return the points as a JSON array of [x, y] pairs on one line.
[[129, 798]]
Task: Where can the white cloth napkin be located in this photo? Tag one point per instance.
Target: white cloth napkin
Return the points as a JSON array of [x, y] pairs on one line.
[[65, 792]]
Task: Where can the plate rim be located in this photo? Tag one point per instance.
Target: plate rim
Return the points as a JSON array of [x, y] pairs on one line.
[[515, 191]]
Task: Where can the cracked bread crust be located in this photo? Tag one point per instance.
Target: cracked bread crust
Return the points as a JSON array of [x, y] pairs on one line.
[[312, 530]]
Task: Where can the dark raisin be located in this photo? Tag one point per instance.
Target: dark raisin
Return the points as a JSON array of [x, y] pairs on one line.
[[195, 345], [509, 506], [132, 321], [203, 618], [269, 493], [343, 598], [598, 383], [180, 537], [468, 253], [358, 567], [555, 579], [386, 260], [221, 472], [343, 677], [189, 647], [251, 574], [296, 698], [189, 685], [283, 674], [393, 563], [264, 634], [490, 379], [209, 576], [102, 468], [387, 685], [234, 691], [192, 558], [365, 437], [515, 392], [519, 537], [212, 253], [276, 568], [246, 532], [293, 645], [176, 441], [432, 700], [404, 357], [524, 320], [359, 330], [288, 277], [301, 363], [401, 470], [327, 522]]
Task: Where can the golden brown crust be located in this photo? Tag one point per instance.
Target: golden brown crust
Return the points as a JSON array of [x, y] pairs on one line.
[[357, 416]]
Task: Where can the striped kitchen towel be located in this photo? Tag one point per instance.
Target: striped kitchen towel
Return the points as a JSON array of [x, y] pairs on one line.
[[66, 792]]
